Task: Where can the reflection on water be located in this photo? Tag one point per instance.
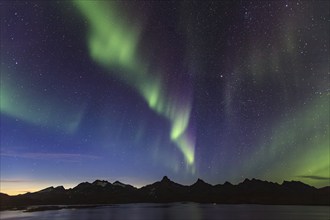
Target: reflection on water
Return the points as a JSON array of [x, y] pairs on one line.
[[179, 211]]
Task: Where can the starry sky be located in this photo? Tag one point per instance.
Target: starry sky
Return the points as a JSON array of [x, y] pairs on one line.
[[135, 90]]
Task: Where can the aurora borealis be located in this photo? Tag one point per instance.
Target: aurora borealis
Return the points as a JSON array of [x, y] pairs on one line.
[[113, 44], [133, 91]]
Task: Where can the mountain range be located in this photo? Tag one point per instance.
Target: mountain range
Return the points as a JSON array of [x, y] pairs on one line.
[[100, 192]]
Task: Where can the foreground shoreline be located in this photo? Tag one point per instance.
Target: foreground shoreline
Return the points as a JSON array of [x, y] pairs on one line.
[[40, 208]]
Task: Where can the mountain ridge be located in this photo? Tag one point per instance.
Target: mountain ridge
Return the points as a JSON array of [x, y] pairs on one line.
[[252, 191]]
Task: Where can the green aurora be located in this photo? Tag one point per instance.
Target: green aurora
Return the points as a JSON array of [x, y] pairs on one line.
[[113, 44]]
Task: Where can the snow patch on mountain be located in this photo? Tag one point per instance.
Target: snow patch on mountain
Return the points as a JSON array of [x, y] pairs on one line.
[[117, 183]]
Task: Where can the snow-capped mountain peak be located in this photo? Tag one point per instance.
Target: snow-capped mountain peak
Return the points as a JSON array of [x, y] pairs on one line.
[[117, 183]]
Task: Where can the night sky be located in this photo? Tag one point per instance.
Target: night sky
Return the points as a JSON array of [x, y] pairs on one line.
[[133, 91]]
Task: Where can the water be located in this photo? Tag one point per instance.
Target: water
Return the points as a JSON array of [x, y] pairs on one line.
[[178, 211]]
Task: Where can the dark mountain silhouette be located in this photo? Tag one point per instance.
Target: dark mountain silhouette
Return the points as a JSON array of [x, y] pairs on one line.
[[163, 191], [103, 192]]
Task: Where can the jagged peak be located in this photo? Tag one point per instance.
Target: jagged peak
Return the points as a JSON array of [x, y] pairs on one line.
[[96, 181], [165, 179], [200, 182], [228, 184], [246, 180], [52, 189], [60, 188], [84, 183], [118, 183], [254, 181], [102, 183]]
